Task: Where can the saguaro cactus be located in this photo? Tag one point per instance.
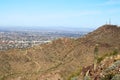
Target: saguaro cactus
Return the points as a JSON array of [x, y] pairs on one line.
[[95, 56]]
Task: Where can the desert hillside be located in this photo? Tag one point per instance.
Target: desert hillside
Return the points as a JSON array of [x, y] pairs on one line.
[[65, 58]]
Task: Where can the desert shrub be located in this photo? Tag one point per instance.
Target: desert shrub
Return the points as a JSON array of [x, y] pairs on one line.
[[100, 59], [74, 78], [113, 66], [107, 77], [110, 72], [75, 74], [115, 52], [116, 77], [87, 78]]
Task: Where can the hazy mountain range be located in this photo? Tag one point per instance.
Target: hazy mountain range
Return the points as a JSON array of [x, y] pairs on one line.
[[45, 28]]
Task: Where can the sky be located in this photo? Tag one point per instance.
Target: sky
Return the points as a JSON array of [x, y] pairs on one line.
[[59, 13]]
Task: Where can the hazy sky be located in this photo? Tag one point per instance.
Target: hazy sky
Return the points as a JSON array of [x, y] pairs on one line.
[[67, 13]]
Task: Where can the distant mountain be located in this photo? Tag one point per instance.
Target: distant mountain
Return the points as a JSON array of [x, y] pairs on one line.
[[44, 28], [61, 59]]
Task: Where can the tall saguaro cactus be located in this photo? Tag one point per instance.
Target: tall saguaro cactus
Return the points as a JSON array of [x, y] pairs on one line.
[[95, 56]]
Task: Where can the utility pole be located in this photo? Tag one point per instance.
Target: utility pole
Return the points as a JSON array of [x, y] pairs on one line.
[[106, 23], [109, 21]]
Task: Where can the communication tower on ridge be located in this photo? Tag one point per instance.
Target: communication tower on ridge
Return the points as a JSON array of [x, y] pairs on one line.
[[109, 21]]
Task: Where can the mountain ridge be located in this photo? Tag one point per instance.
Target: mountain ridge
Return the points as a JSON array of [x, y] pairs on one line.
[[60, 59]]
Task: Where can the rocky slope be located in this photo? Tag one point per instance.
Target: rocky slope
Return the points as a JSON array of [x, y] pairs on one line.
[[62, 59]]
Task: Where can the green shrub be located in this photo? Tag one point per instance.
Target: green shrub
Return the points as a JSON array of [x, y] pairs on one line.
[[100, 59], [87, 78], [75, 74], [113, 66], [116, 77], [115, 52], [107, 77]]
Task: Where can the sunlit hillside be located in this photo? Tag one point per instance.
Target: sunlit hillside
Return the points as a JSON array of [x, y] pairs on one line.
[[66, 58]]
